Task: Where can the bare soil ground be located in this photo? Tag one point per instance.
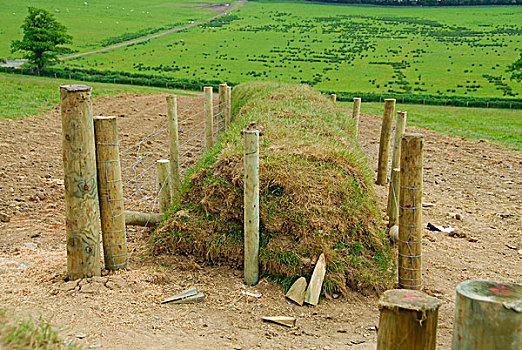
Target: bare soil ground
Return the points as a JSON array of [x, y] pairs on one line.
[[122, 310]]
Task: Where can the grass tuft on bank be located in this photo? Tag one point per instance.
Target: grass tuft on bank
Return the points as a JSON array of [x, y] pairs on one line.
[[316, 195]]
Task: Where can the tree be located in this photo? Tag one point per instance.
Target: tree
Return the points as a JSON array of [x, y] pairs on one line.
[[516, 69], [42, 36]]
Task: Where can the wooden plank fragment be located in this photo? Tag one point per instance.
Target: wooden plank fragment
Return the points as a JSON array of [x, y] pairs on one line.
[[316, 282], [297, 292], [187, 293], [191, 299], [280, 320]]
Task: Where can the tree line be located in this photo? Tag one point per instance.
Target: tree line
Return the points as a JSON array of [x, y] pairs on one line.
[[426, 2]]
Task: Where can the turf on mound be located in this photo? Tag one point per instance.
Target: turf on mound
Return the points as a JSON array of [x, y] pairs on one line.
[[316, 194]]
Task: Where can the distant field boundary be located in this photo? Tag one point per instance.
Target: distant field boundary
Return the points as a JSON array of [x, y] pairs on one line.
[[229, 9], [94, 75]]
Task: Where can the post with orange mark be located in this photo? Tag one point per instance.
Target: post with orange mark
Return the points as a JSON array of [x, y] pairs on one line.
[[81, 186]]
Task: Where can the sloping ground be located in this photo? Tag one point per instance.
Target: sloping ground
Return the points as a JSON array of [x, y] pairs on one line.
[[316, 194]]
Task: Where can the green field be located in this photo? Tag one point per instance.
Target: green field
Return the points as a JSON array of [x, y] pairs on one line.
[[500, 126], [98, 22], [460, 51], [22, 96]]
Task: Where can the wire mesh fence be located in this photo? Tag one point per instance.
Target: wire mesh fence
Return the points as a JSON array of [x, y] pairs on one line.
[[141, 189]]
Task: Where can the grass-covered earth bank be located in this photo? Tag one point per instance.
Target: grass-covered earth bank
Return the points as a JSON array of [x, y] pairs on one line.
[[316, 194]]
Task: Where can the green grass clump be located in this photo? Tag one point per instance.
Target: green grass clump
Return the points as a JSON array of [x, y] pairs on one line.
[[20, 333], [316, 194]]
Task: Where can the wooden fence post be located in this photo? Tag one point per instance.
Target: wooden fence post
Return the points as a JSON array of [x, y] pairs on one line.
[[251, 202], [384, 145], [222, 107], [228, 116], [209, 118], [408, 320], [172, 114], [410, 212], [333, 97], [81, 190], [164, 197], [488, 315], [110, 190], [393, 193], [355, 113]]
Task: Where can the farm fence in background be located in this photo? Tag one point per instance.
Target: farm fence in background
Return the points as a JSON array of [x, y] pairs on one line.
[[140, 79]]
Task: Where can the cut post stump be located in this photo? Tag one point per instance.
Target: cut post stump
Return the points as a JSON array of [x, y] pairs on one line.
[[408, 320], [488, 315]]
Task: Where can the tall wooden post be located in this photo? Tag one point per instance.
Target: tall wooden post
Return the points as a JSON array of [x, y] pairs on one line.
[[384, 145], [164, 197], [408, 320], [81, 189], [333, 97], [393, 193], [410, 212], [110, 191], [209, 118], [228, 118], [488, 315], [222, 105], [251, 203], [355, 113], [172, 115]]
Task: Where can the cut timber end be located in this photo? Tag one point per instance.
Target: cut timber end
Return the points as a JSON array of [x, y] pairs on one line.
[[408, 320], [75, 87], [296, 293], [316, 282], [281, 320], [488, 315]]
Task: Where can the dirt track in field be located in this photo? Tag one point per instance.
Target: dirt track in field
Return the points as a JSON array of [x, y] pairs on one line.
[[222, 9], [122, 311]]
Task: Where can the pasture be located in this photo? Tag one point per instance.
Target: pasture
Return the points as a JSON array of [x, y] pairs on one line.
[[461, 51], [94, 24]]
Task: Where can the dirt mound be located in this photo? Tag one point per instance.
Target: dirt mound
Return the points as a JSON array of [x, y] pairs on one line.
[[316, 194]]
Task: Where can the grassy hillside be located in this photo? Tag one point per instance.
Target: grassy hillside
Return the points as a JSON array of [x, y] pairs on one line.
[[99, 22], [316, 194], [462, 51]]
